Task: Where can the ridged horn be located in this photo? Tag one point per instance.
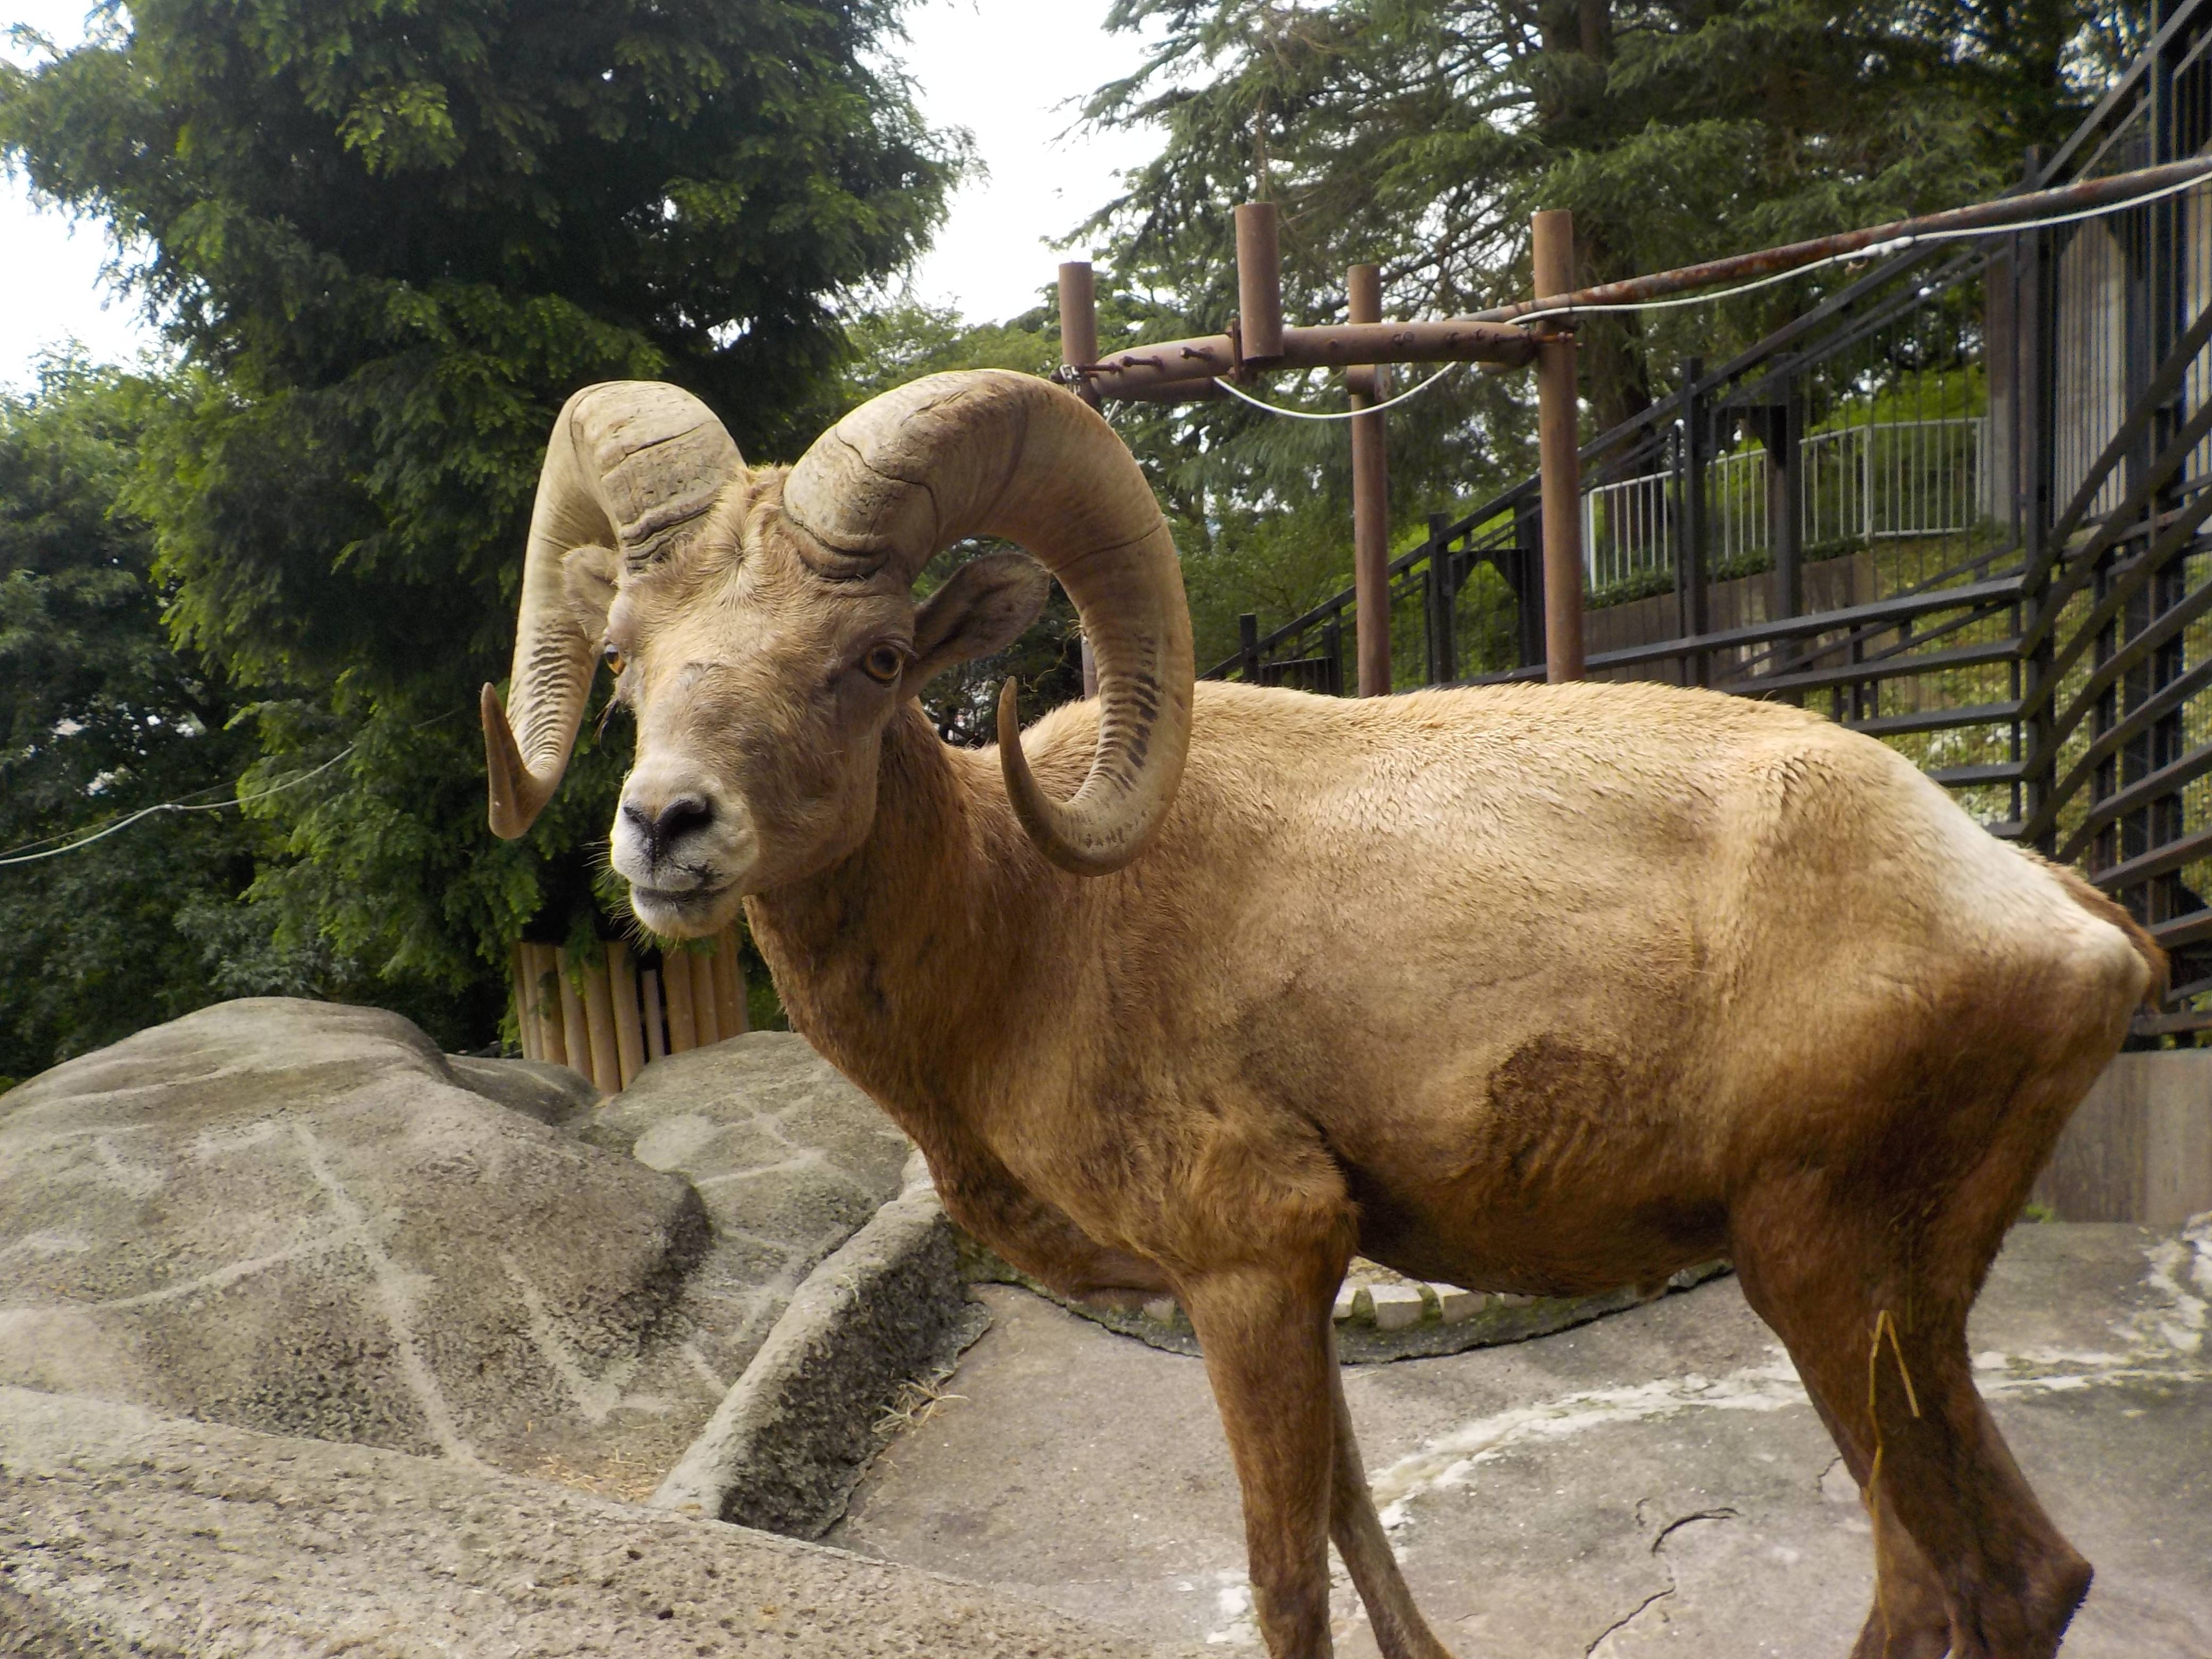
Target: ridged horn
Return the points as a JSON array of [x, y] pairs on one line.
[[634, 465], [987, 452]]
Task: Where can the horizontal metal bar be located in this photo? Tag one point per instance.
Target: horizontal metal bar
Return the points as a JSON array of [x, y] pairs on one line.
[[2119, 523], [1962, 777], [2162, 861], [2192, 929], [2176, 1025], [1196, 361], [2129, 578], [1992, 215], [2133, 724], [1882, 668], [1935, 720], [2160, 629], [1456, 340], [1997, 592], [2136, 796]]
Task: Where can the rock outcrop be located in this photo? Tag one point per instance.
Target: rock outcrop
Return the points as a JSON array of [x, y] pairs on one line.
[[302, 1218]]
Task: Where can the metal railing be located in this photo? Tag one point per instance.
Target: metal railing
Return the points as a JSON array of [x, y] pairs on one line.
[[1869, 482], [1960, 505]]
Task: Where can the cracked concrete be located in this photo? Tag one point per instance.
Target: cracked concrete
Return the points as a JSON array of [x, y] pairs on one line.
[[1653, 1485]]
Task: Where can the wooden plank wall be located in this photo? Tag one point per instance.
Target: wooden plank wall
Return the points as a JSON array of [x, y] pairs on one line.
[[603, 1015]]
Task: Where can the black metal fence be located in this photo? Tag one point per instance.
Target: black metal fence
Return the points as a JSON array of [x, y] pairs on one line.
[[1957, 505]]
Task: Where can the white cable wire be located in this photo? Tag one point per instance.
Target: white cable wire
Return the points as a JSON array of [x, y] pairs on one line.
[[1872, 251], [178, 806], [1406, 395]]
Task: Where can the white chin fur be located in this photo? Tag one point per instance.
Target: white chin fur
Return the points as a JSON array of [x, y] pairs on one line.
[[691, 915]]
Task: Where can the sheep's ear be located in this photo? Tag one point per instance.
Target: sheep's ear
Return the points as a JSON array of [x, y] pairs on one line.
[[983, 608], [588, 575]]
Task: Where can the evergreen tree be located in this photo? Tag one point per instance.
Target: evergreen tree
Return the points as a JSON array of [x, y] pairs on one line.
[[102, 719], [1420, 135], [389, 238]]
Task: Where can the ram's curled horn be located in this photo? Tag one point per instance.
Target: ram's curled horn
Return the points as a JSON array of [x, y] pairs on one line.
[[632, 466], [987, 452]]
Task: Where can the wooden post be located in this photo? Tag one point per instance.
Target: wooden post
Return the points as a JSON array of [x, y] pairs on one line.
[[729, 984], [576, 1028], [1558, 441], [525, 1017], [629, 1029], [1260, 283], [599, 1025], [1078, 324], [676, 987], [656, 1028], [705, 1018], [546, 1002], [1370, 498]]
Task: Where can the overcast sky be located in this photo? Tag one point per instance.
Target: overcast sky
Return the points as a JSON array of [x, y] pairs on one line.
[[999, 68]]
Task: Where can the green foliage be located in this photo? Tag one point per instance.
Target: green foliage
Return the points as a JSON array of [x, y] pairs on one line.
[[389, 238], [1420, 135], [103, 718]]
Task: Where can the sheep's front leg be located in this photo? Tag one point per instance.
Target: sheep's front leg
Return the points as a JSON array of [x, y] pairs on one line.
[[1400, 1631], [1266, 1336]]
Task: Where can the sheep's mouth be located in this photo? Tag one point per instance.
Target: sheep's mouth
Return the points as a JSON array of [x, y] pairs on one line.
[[677, 902]]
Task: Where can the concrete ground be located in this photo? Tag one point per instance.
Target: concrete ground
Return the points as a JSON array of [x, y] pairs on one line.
[[1654, 1484]]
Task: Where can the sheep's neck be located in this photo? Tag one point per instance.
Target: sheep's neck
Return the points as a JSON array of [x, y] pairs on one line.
[[897, 962]]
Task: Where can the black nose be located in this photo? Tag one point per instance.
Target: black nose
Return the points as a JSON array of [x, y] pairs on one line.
[[662, 830]]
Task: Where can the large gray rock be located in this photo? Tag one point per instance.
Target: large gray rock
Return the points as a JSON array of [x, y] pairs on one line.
[[789, 1159], [301, 1218], [890, 1310], [293, 1217], [122, 1533]]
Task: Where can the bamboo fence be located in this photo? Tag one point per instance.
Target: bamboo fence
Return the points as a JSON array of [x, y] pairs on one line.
[[602, 1014]]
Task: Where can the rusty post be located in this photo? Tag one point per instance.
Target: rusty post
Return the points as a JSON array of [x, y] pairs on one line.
[[1370, 498], [1558, 441], [1260, 282], [1078, 324]]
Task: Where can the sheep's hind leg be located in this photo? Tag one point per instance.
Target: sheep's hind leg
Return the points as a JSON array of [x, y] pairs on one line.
[[1267, 1337], [1910, 1619], [1840, 1290], [1400, 1631]]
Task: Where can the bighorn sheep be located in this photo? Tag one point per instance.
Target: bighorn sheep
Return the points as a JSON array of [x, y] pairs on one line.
[[1537, 989]]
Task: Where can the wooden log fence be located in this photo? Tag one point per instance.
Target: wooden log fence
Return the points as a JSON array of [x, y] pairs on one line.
[[601, 1014]]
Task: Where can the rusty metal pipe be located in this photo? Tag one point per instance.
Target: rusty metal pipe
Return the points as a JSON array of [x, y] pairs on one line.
[[1553, 234], [1981, 215], [1078, 321], [1370, 495], [1259, 281], [1193, 362]]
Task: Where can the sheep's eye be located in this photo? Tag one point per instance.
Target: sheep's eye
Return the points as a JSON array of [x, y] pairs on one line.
[[613, 658], [883, 664]]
